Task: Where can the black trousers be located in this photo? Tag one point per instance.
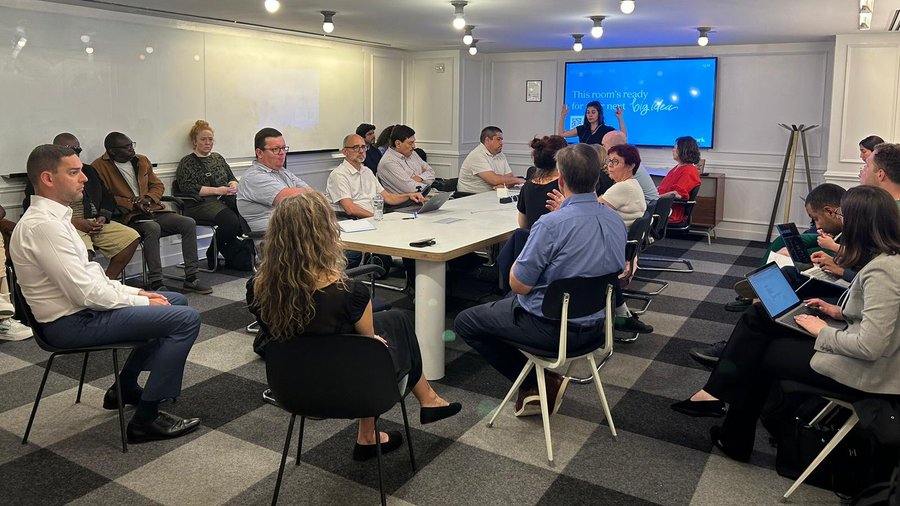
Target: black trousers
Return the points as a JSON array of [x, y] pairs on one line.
[[759, 352], [397, 327]]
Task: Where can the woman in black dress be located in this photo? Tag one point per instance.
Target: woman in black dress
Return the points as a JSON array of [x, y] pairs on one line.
[[300, 288], [592, 130]]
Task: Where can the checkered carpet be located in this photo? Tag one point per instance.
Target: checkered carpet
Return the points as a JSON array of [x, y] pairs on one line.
[[659, 457]]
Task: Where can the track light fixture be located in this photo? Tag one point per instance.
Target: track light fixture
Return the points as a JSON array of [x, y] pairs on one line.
[[272, 5], [467, 38], [472, 49], [328, 24], [597, 30], [577, 46], [626, 6], [865, 14], [703, 39], [459, 22]]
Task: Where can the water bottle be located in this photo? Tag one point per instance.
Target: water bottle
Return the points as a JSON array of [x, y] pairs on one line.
[[378, 206]]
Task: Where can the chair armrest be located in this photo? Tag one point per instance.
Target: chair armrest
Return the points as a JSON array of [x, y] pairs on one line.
[[363, 270], [193, 197], [174, 201]]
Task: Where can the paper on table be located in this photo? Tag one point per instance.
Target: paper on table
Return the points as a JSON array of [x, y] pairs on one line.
[[356, 225], [779, 259]]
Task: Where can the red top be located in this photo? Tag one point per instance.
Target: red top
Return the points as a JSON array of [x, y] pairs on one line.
[[682, 179]]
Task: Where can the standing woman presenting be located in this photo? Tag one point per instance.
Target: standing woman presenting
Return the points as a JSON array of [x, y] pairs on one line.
[[593, 129]]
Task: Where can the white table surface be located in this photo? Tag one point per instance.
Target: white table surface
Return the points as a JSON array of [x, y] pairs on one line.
[[482, 221]]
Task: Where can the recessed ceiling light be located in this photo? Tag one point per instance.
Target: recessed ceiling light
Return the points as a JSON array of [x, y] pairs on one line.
[[272, 5], [626, 6]]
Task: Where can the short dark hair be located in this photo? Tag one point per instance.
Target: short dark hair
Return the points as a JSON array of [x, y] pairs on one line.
[[489, 132], [259, 140], [579, 166], [630, 155], [887, 158], [688, 150], [64, 139], [826, 194], [112, 139], [401, 133], [45, 158], [364, 128], [384, 137], [870, 142]]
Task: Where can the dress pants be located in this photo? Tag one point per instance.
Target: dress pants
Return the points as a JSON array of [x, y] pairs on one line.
[[169, 331], [498, 330], [759, 352], [166, 224]]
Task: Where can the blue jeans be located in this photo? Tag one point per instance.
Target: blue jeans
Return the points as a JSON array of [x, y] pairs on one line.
[[169, 333]]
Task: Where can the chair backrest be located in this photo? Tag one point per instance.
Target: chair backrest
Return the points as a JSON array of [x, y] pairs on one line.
[[689, 206], [637, 234], [577, 297], [332, 376], [661, 216], [25, 312]]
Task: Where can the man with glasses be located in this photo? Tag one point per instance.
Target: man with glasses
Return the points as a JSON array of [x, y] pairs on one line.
[[92, 216], [137, 191], [352, 184], [267, 182]]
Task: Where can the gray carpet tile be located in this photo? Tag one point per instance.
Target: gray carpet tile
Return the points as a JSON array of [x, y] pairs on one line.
[[659, 457]]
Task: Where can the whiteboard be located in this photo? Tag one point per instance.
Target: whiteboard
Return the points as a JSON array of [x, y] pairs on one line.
[[240, 81]]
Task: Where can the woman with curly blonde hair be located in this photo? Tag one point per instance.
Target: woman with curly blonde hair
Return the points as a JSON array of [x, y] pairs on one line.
[[300, 288]]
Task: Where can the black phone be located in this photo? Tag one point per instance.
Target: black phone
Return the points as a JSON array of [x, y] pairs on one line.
[[421, 243]]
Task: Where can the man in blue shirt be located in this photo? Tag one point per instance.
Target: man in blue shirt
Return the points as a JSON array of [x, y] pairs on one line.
[[582, 239]]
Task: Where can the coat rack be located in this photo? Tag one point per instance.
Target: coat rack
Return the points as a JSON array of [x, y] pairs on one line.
[[798, 135]]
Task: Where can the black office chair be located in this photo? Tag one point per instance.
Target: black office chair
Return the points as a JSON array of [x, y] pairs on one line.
[[336, 376], [25, 310], [178, 199], [637, 236], [687, 226], [658, 232], [564, 299]]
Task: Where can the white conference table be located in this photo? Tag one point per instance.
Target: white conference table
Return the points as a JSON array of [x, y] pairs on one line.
[[481, 220]]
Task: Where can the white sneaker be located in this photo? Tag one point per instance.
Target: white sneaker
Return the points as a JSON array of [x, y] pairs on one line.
[[13, 330]]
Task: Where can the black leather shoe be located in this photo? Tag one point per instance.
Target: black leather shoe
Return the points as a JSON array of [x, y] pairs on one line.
[[165, 426], [740, 455], [709, 356], [366, 452], [739, 305], [713, 409], [431, 415], [130, 398], [632, 324]]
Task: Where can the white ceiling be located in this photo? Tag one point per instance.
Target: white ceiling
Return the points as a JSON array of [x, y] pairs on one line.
[[529, 25]]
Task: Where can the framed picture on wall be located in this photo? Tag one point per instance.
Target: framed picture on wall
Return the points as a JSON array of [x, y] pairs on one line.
[[533, 91]]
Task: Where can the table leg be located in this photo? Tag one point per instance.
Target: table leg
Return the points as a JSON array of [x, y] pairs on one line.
[[430, 314]]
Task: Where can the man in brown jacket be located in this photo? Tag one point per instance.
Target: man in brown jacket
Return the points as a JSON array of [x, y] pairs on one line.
[[130, 179]]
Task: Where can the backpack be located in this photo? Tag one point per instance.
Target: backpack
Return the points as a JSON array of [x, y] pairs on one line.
[[240, 254]]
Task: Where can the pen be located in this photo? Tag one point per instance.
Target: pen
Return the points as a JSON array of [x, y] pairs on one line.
[[410, 218], [837, 236]]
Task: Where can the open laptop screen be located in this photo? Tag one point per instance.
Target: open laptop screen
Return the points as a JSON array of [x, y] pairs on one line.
[[773, 289]]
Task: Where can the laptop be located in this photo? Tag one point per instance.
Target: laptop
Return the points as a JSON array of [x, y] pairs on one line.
[[800, 256], [780, 301], [433, 204]]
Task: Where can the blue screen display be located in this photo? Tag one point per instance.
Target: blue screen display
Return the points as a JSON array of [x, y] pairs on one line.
[[773, 289], [662, 99]]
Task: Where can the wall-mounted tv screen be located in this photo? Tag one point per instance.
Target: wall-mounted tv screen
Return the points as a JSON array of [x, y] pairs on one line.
[[662, 99]]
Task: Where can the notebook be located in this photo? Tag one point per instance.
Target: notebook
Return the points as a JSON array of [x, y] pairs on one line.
[[780, 301]]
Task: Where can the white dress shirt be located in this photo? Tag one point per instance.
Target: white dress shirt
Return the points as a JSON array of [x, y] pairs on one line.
[[480, 160], [396, 172], [53, 269], [345, 182]]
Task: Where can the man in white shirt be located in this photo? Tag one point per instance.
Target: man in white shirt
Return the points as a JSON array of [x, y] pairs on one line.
[[486, 166], [267, 182], [401, 169], [77, 305], [352, 185]]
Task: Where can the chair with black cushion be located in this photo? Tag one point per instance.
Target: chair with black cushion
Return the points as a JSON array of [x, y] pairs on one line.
[[637, 235], [333, 376], [687, 226], [657, 233], [24, 310], [564, 299], [178, 199]]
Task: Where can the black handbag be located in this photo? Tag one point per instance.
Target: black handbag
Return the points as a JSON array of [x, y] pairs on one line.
[[881, 417]]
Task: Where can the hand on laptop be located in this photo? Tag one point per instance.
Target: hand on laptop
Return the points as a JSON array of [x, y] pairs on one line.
[[826, 263], [831, 310]]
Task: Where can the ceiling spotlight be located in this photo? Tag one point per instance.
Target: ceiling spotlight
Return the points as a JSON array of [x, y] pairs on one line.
[[459, 22], [626, 6], [577, 46], [272, 5], [472, 49], [149, 49], [22, 41], [597, 30], [89, 50], [467, 38], [703, 39], [85, 38], [328, 24]]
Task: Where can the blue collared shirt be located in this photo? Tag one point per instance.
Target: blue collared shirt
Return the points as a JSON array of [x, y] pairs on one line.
[[581, 239]]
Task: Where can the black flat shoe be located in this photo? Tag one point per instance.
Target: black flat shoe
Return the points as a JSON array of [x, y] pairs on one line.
[[165, 426], [713, 409], [431, 415], [366, 452], [129, 398], [715, 433]]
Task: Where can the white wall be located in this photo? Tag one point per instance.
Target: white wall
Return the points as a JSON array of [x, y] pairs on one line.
[[865, 100]]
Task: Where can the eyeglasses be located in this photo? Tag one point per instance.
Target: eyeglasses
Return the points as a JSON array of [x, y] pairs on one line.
[[360, 147], [76, 149], [125, 146], [278, 150], [614, 162]]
